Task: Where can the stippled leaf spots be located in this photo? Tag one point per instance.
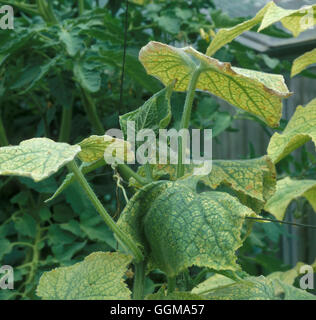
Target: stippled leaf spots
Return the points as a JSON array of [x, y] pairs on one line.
[[154, 114], [255, 92], [300, 129], [98, 277], [95, 148], [37, 158], [287, 190]]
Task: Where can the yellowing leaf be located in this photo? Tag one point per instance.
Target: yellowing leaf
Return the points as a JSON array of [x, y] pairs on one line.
[[300, 129], [97, 147], [296, 21], [226, 35], [37, 158], [288, 190], [213, 282], [303, 62], [98, 277], [255, 178], [251, 288], [255, 92]]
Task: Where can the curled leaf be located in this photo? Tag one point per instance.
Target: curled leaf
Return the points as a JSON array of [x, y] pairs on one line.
[[255, 92]]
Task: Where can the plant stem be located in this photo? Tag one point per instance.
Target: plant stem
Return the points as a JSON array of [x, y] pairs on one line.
[[103, 213], [139, 281], [127, 173], [171, 284], [186, 116], [81, 7], [3, 136], [65, 127], [91, 111]]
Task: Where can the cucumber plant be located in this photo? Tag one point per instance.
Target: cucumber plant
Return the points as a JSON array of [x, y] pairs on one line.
[[177, 219]]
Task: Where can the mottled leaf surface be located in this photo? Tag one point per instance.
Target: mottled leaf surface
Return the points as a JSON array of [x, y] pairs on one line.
[[177, 295], [300, 129], [287, 190], [303, 62], [154, 114], [97, 147], [98, 277], [184, 228], [255, 92], [212, 283], [37, 158]]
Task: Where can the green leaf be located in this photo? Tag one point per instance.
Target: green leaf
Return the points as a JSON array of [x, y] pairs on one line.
[[303, 62], [71, 41], [178, 295], [296, 21], [37, 158], [26, 225], [95, 148], [31, 75], [300, 129], [89, 79], [226, 35], [5, 247], [154, 114], [287, 190], [98, 277], [255, 92]]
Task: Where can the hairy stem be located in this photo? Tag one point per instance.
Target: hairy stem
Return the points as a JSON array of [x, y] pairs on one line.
[[65, 128], [171, 284], [186, 116], [91, 111], [128, 173], [103, 213], [139, 281]]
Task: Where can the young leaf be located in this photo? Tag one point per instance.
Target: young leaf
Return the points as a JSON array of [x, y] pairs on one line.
[[303, 62], [97, 147], [226, 35], [255, 92], [98, 277], [184, 228], [288, 190], [154, 114], [300, 129], [37, 158], [71, 41], [296, 21]]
